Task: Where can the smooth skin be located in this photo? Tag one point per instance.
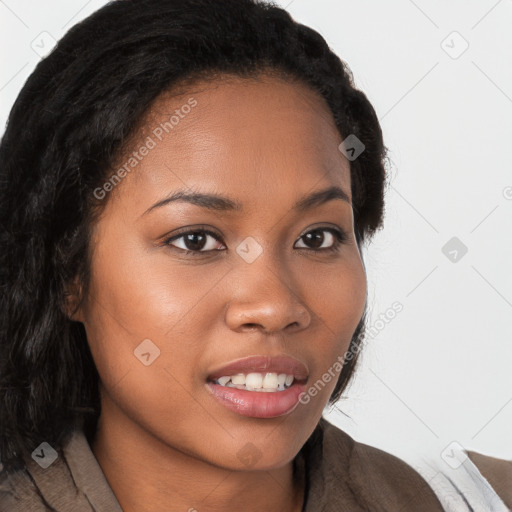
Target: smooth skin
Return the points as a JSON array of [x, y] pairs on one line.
[[163, 441]]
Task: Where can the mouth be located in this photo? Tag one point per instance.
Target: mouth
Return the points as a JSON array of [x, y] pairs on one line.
[[268, 382], [259, 386]]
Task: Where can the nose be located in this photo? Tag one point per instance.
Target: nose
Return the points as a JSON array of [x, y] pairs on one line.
[[263, 299]]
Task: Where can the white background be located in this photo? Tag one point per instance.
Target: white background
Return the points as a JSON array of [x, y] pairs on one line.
[[440, 371]]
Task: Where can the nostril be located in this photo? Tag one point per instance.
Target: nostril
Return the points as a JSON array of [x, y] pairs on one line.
[[251, 326]]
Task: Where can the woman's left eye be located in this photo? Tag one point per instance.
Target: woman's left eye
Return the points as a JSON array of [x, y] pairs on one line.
[[203, 241], [316, 240]]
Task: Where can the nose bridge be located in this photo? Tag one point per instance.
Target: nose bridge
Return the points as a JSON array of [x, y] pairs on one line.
[[263, 294], [262, 267]]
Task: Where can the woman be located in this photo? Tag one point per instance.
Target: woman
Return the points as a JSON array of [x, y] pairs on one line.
[[186, 190]]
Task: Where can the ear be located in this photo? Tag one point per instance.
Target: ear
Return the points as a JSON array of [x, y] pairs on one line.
[[72, 299]]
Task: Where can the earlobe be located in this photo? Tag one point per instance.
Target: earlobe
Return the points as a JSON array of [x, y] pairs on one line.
[[72, 302]]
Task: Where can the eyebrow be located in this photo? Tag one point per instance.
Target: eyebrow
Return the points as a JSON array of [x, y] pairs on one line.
[[222, 203]]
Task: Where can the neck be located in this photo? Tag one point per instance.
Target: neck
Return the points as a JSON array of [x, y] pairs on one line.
[[147, 475]]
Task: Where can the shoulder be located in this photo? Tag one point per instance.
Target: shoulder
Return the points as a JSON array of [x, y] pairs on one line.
[[373, 475], [364, 458], [18, 493], [70, 480]]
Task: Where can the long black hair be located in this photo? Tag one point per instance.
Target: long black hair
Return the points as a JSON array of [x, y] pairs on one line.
[[64, 132]]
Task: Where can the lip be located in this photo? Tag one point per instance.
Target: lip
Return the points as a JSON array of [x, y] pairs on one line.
[[263, 364], [258, 404]]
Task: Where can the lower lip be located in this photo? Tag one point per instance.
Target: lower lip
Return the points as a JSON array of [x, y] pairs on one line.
[[258, 404]]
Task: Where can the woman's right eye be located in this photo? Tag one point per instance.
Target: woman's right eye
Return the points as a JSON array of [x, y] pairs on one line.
[[195, 241]]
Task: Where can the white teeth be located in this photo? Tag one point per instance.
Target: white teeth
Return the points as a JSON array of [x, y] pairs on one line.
[[238, 379], [255, 381], [270, 381], [223, 380]]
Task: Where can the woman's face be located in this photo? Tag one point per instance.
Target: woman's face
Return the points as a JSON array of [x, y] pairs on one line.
[[268, 277]]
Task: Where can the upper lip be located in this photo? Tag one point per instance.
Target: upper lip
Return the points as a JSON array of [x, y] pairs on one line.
[[263, 364]]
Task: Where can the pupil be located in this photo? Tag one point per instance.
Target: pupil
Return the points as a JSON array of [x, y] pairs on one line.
[[315, 239], [195, 241]]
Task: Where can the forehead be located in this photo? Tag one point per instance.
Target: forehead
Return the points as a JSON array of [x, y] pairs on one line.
[[241, 135]]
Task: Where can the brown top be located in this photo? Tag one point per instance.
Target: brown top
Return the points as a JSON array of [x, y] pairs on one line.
[[341, 474]]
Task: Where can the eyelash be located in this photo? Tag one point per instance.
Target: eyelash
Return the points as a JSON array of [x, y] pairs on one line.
[[340, 237]]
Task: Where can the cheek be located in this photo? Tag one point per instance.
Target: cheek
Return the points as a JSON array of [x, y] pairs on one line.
[[142, 319], [145, 338], [337, 299], [337, 296], [139, 292]]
